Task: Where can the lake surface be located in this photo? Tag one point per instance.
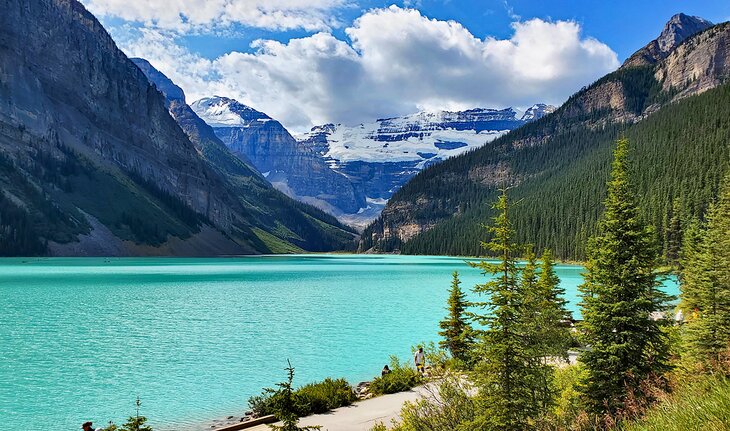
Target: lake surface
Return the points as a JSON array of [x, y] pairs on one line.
[[81, 338]]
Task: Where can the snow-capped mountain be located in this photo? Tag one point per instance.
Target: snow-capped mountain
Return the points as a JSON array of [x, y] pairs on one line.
[[381, 156], [352, 171], [289, 165]]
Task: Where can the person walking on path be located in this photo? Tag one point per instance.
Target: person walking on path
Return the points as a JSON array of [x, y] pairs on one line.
[[420, 359]]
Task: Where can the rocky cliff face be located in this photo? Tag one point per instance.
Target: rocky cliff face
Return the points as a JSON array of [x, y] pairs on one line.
[[688, 57], [290, 166], [90, 155], [699, 64]]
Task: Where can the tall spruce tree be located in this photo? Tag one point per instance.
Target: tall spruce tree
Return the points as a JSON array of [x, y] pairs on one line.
[[455, 329], [706, 285], [673, 234], [545, 331], [554, 331], [620, 299], [503, 375], [690, 278]]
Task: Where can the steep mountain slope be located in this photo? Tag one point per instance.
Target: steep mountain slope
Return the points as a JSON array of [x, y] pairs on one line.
[[91, 162], [281, 217], [557, 166], [289, 166], [381, 156]]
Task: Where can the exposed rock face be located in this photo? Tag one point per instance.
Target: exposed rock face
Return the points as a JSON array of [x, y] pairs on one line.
[[699, 64], [86, 144], [679, 28], [290, 166]]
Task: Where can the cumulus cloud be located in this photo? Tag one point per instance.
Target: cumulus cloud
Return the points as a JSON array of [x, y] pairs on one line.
[[187, 15], [396, 62]]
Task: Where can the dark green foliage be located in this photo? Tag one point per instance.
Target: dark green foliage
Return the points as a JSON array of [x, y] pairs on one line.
[[401, 378], [456, 332], [706, 285], [503, 375], [620, 293], [681, 152], [673, 234], [136, 423], [545, 318], [310, 399], [283, 404]]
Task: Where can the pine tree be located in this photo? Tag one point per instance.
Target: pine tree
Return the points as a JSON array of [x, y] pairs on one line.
[[689, 276], [284, 405], [544, 324], [135, 423], [620, 298], [503, 376], [706, 285], [673, 234], [456, 331], [554, 331]]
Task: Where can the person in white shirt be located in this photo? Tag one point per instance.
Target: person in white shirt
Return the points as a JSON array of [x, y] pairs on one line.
[[420, 359]]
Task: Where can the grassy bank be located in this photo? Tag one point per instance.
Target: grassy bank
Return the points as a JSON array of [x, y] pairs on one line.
[[701, 405]]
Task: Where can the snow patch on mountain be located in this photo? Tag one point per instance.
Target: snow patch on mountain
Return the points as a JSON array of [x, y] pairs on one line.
[[224, 112], [424, 137]]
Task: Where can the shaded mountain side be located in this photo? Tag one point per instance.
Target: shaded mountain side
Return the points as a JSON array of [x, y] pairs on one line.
[[559, 163], [86, 141], [281, 216]]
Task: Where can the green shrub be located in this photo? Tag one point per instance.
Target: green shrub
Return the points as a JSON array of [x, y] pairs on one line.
[[401, 378], [324, 396], [313, 398]]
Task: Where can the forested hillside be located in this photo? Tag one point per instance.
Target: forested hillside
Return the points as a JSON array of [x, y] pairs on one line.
[[558, 165]]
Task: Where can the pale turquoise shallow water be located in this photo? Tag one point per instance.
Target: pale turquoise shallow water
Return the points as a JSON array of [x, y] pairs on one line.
[[194, 338]]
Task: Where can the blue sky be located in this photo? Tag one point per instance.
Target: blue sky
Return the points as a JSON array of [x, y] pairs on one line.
[[312, 61]]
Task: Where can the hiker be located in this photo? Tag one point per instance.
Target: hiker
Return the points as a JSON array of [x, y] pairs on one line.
[[385, 371], [87, 426], [420, 359]]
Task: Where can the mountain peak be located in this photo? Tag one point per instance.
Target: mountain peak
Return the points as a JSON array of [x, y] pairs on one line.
[[678, 28], [675, 31], [220, 111]]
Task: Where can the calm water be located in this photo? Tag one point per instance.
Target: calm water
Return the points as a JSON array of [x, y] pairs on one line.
[[194, 338]]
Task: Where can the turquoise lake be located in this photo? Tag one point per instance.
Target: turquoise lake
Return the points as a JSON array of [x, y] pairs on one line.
[[81, 338]]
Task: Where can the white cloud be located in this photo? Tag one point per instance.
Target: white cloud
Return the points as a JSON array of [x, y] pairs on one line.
[[187, 15], [396, 62]]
